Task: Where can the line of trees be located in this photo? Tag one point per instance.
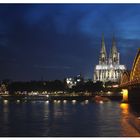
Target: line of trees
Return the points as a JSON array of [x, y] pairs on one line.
[[52, 86]]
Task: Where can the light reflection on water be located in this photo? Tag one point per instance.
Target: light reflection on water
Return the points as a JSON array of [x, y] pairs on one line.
[[125, 109], [64, 118], [126, 118]]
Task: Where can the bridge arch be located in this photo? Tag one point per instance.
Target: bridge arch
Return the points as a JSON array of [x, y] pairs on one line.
[[135, 72], [125, 77]]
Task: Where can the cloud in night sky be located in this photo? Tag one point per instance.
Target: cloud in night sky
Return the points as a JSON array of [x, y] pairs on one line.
[[54, 41]]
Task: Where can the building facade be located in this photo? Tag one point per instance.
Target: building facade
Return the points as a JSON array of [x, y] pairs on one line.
[[74, 81], [109, 68]]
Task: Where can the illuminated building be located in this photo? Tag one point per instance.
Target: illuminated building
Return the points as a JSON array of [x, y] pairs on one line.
[[78, 79], [74, 81], [70, 82], [108, 69]]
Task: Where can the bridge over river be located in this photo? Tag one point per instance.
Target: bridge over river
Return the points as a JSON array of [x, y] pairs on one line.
[[130, 82]]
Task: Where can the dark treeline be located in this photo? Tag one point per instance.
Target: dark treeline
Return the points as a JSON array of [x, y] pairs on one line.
[[58, 85], [36, 86], [88, 86], [52, 86]]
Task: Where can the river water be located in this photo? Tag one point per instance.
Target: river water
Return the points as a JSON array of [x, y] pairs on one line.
[[41, 118]]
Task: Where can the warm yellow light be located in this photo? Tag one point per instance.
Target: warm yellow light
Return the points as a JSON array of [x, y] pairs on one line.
[[125, 108], [125, 95]]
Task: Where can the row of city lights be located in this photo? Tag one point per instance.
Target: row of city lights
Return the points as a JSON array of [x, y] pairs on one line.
[[38, 92], [55, 101]]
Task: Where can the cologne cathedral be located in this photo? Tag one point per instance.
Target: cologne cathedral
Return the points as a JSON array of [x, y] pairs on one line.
[[108, 69]]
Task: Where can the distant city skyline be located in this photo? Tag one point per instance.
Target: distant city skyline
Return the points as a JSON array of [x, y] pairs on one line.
[[55, 41]]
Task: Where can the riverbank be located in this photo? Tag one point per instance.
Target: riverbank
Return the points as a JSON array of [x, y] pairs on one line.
[[129, 129], [62, 97], [134, 120]]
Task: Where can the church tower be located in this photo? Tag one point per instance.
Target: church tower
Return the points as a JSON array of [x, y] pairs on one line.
[[103, 54], [114, 55], [110, 70]]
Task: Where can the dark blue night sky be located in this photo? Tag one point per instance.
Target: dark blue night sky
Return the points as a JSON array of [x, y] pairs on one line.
[[54, 41]]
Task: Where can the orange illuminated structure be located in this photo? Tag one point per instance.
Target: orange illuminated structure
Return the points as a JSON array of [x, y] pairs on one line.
[[131, 82], [132, 78], [125, 95]]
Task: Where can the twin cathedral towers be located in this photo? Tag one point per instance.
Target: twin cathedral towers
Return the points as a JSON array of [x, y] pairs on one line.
[[108, 69]]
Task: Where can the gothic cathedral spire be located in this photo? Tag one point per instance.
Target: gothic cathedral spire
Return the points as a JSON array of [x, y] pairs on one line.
[[114, 55], [114, 49], [108, 71], [103, 54]]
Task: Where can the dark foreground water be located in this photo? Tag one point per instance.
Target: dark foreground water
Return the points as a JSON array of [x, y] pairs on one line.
[[40, 118]]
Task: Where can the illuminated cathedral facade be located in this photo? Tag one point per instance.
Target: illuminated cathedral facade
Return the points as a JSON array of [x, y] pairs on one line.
[[109, 68]]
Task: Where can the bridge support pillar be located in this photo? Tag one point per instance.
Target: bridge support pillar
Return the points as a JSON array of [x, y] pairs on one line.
[[125, 95], [134, 95]]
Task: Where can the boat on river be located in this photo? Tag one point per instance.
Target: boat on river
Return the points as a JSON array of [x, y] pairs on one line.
[[100, 99]]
